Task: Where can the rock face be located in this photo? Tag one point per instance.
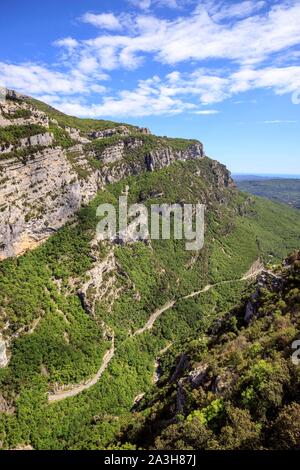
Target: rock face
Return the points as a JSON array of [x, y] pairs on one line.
[[36, 198], [42, 187], [11, 102], [43, 140], [158, 159], [115, 153], [100, 282], [121, 130], [3, 353], [74, 134]]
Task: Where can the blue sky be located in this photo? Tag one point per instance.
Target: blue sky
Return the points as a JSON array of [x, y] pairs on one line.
[[225, 72]]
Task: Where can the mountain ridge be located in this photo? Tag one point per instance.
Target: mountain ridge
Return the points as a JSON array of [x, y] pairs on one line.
[[48, 169]]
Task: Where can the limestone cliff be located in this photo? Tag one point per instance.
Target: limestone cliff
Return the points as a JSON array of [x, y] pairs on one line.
[[52, 164]]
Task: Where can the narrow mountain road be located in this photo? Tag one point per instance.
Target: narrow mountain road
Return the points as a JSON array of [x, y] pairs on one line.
[[72, 392], [256, 269], [154, 317]]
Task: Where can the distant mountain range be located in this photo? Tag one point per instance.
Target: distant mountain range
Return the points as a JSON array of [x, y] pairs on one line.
[[258, 177], [280, 189]]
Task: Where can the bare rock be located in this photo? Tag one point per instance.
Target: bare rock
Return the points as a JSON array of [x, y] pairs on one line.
[[3, 353], [42, 140], [198, 375]]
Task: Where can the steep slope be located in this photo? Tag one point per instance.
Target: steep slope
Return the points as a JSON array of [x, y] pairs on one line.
[[238, 386], [49, 168], [63, 304], [85, 320]]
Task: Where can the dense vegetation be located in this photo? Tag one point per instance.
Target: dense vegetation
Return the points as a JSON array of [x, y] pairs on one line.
[[12, 134], [235, 387], [61, 137], [279, 190], [18, 114], [55, 341]]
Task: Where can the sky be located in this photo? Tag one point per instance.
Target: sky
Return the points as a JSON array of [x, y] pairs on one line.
[[224, 72]]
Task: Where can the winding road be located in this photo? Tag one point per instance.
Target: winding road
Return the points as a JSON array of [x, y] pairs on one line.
[[154, 317], [256, 269], [72, 392]]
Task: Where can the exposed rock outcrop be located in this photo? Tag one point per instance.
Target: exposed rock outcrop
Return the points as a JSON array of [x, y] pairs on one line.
[[75, 134], [40, 195], [160, 158], [41, 189], [121, 130], [43, 140], [3, 353], [36, 198], [115, 153], [100, 283]]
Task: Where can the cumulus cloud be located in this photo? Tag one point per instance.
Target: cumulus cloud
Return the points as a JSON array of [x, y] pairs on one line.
[[189, 92], [198, 36], [281, 79], [142, 4], [33, 79], [147, 4], [255, 44], [221, 11], [149, 98], [69, 43], [104, 20]]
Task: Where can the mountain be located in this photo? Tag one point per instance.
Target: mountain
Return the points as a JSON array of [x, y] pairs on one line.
[[52, 164], [84, 321]]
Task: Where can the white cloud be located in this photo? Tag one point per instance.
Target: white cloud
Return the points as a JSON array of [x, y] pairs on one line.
[[142, 4], [245, 44], [150, 97], [186, 92], [168, 3], [249, 40], [236, 10], [34, 79], [88, 64], [206, 112], [281, 79], [147, 4], [198, 37], [104, 20], [69, 43], [175, 93], [278, 121]]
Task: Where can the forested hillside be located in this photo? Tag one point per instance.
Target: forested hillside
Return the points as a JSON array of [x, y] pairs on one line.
[[237, 386], [57, 341], [84, 322]]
